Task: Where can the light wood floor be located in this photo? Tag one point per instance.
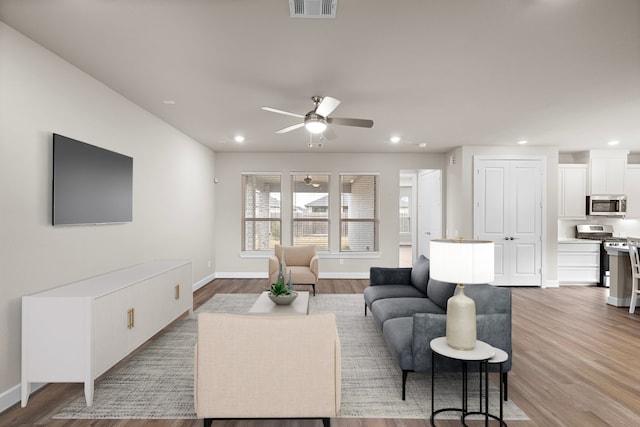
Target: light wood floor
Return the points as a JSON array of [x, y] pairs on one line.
[[575, 363]]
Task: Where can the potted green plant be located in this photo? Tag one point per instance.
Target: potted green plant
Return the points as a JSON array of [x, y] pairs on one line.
[[280, 294]]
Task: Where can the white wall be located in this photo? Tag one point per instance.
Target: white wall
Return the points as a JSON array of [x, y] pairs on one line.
[[229, 166], [173, 186]]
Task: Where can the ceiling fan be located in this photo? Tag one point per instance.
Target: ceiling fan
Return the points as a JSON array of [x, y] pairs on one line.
[[308, 180], [316, 120]]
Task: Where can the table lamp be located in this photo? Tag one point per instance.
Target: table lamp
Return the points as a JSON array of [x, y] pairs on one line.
[[462, 262]]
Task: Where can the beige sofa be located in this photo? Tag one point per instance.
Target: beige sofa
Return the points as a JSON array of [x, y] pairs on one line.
[[267, 367], [300, 261]]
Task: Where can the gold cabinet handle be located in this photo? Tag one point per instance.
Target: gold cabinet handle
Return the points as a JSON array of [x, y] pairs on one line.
[[131, 318], [177, 292]]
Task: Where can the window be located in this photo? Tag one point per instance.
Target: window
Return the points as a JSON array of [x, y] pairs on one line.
[[358, 213], [310, 214], [261, 209]]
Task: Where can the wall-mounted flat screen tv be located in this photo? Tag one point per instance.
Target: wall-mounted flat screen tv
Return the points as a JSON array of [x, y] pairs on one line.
[[91, 185]]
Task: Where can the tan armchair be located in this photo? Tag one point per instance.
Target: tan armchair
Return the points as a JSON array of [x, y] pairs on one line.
[[267, 367], [300, 261]]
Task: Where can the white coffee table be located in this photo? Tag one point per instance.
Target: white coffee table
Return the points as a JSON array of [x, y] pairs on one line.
[[264, 305]]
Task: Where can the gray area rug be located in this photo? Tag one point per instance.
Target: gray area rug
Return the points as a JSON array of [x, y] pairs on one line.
[[157, 383]]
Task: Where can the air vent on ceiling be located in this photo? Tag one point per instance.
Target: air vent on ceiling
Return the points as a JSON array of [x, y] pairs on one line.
[[313, 8]]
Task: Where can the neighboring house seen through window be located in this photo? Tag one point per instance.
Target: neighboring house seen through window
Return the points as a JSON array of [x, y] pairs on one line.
[[310, 216]]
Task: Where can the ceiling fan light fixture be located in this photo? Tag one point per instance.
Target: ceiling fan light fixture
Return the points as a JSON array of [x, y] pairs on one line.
[[315, 125]]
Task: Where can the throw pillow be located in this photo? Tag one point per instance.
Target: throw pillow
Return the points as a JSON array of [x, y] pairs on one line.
[[440, 292], [420, 274]]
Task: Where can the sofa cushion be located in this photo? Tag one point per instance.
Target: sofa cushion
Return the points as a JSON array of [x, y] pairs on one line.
[[295, 255], [374, 293], [389, 276], [301, 275], [398, 334], [390, 308], [440, 292], [420, 274], [489, 299]]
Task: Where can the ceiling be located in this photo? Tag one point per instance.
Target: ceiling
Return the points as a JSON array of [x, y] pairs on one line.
[[442, 72]]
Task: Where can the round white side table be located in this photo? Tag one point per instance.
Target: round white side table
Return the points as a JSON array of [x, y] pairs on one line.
[[499, 357], [482, 352]]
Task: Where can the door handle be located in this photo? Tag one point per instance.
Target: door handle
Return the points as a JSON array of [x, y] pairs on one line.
[[506, 238]]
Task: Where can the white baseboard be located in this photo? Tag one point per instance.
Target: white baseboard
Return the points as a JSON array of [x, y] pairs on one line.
[[241, 275], [203, 282], [12, 396], [339, 275], [261, 275], [551, 284]]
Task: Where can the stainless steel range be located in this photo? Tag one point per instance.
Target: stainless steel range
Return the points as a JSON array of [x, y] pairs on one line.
[[604, 234]]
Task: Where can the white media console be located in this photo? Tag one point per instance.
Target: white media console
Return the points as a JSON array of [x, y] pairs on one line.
[[76, 332]]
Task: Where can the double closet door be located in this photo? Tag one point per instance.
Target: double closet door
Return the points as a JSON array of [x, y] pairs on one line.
[[508, 211]]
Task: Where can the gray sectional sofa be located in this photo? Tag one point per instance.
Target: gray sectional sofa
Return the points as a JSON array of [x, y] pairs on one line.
[[410, 309]]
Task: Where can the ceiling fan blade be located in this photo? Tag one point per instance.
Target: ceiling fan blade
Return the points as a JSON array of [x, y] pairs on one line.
[[326, 106], [273, 110], [363, 123], [328, 134], [290, 128]]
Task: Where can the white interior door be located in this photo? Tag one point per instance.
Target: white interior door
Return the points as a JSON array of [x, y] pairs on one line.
[[508, 211], [429, 209], [526, 223]]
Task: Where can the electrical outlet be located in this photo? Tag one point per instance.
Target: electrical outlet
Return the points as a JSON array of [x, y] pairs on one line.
[[341, 261], [209, 264]]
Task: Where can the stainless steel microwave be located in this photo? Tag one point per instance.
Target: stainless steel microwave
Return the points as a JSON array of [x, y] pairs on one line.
[[607, 205]]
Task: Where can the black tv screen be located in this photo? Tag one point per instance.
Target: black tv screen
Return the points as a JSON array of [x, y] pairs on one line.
[[91, 185]]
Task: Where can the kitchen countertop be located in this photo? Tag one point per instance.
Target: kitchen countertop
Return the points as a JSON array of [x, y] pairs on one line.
[[575, 240]]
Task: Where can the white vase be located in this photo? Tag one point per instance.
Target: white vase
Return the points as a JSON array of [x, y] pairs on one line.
[[461, 321]]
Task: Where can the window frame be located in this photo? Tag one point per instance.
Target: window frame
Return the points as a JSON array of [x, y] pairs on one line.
[[375, 220], [256, 219]]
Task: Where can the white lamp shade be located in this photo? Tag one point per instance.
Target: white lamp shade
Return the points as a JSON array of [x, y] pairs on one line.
[[462, 261]]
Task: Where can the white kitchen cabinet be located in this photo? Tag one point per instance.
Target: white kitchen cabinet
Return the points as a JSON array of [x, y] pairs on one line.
[[572, 191], [632, 180], [579, 262], [75, 333], [607, 170]]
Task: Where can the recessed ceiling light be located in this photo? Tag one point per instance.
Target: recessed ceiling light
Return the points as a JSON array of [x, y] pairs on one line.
[[613, 142], [394, 139], [422, 144], [169, 102], [239, 138], [522, 142]]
